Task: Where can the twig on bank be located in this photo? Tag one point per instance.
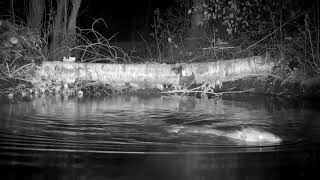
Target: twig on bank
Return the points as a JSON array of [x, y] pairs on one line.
[[184, 91]]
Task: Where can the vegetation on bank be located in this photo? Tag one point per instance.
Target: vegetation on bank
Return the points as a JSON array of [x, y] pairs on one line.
[[189, 31]]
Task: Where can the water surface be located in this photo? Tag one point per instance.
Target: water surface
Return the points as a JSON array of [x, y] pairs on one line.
[[129, 137]]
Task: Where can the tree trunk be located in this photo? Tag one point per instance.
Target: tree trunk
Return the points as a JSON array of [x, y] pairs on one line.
[[12, 11], [196, 30], [35, 14], [154, 74], [72, 24], [57, 34], [64, 32]]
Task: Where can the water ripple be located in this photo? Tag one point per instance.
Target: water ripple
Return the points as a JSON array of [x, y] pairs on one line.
[[141, 125]]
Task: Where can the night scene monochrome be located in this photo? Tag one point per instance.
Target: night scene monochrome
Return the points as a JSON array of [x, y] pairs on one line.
[[159, 89]]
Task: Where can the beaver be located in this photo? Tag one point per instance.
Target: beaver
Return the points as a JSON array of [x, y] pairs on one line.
[[184, 80], [244, 134]]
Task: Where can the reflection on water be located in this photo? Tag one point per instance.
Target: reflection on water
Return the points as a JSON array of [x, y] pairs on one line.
[[130, 136]]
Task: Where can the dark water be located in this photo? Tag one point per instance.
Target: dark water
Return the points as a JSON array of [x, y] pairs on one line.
[[128, 137]]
